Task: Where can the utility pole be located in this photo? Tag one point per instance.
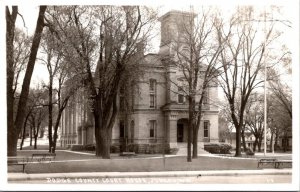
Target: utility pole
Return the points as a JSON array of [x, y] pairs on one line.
[[265, 90]]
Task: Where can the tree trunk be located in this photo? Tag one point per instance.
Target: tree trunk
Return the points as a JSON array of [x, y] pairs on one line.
[[243, 139], [24, 131], [97, 132], [102, 139], [196, 130], [104, 122], [190, 128], [271, 142], [56, 129], [285, 142], [35, 141], [238, 140], [50, 109], [12, 132], [276, 140], [30, 143], [18, 123], [195, 143], [259, 145], [255, 144], [105, 141]]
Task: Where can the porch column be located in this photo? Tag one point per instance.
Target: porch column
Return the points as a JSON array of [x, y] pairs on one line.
[[171, 131]]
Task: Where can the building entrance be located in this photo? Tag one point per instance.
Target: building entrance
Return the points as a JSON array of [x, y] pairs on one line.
[[180, 132], [182, 125]]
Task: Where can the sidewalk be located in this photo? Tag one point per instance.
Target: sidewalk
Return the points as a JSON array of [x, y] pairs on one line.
[[25, 176]]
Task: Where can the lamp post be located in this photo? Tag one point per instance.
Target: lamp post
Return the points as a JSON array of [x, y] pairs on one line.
[[265, 89], [265, 93]]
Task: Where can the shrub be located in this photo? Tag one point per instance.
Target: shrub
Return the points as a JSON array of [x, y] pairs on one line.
[[90, 147], [249, 152], [218, 148], [77, 148], [114, 148], [225, 148]]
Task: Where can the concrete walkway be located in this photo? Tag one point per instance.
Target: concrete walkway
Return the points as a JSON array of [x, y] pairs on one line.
[[42, 176]]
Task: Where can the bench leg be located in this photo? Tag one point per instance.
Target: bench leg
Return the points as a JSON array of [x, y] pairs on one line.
[[23, 168]]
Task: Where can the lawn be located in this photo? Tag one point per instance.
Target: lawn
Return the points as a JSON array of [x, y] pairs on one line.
[[73, 162]]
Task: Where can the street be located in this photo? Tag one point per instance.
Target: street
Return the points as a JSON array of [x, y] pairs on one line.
[[241, 179]]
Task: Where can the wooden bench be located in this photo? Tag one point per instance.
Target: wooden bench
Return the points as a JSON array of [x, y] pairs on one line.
[[43, 157], [18, 160], [283, 162], [266, 161]]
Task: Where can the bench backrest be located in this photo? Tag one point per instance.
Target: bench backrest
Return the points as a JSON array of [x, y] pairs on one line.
[[44, 155], [17, 159], [268, 160]]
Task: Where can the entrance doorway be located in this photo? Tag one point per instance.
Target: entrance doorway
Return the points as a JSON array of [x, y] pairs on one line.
[[180, 132], [182, 125]]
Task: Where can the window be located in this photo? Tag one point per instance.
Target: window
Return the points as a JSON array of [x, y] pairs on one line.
[[206, 128], [180, 98], [180, 95], [122, 129], [152, 128], [152, 101], [152, 84], [152, 91], [205, 97]]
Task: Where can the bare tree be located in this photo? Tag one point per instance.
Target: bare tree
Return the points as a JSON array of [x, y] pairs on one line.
[[120, 29], [254, 119], [36, 119], [63, 82], [21, 55], [14, 126], [35, 112], [195, 55], [225, 124], [283, 94], [279, 121], [241, 60]]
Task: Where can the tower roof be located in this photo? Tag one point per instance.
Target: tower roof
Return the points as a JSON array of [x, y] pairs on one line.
[[176, 13]]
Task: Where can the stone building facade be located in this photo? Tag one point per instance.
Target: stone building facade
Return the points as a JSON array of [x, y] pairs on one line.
[[160, 111]]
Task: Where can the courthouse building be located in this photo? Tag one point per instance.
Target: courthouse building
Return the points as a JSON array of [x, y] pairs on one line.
[[160, 110]]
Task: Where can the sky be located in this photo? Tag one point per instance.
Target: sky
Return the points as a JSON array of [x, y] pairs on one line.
[[30, 11]]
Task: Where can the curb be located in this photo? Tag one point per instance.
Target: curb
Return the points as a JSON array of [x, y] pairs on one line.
[[43, 176]]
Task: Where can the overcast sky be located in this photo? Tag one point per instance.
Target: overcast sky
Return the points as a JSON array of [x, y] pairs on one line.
[[29, 12]]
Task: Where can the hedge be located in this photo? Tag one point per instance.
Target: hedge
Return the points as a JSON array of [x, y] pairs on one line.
[[218, 148]]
